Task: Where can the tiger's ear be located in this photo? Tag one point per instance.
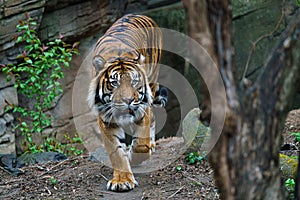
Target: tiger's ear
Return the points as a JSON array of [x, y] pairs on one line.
[[98, 63], [141, 59]]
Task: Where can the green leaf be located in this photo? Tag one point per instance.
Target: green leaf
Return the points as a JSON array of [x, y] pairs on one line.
[[33, 79], [28, 60], [33, 23], [19, 39], [77, 140], [24, 124], [29, 139]]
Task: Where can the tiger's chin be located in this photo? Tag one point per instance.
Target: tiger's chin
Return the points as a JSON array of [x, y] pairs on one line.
[[124, 117]]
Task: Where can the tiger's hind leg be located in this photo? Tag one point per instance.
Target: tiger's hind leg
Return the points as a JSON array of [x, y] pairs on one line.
[[143, 140], [114, 142]]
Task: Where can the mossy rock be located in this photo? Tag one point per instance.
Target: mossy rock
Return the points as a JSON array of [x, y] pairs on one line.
[[195, 133], [288, 166]]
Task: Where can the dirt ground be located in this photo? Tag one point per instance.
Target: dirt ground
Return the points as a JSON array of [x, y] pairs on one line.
[[81, 178]]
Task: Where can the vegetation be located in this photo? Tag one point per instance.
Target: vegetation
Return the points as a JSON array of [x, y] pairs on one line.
[[36, 77], [290, 186], [290, 182], [194, 157], [297, 136]]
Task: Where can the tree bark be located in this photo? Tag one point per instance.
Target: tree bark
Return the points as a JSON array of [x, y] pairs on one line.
[[245, 159], [199, 8]]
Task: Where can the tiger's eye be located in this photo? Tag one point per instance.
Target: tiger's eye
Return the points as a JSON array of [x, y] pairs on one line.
[[134, 82], [114, 83]]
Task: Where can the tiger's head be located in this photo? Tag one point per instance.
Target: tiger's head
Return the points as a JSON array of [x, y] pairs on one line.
[[120, 90]]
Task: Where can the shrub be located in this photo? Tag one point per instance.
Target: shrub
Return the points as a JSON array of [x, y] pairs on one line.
[[36, 76]]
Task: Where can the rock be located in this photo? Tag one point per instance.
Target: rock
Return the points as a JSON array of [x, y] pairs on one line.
[[2, 126], [9, 94], [8, 26], [195, 134], [252, 20], [7, 142], [14, 7], [42, 157], [3, 81], [10, 162], [8, 117], [4, 140], [75, 20]]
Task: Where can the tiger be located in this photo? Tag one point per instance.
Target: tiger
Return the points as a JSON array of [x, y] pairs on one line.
[[123, 91]]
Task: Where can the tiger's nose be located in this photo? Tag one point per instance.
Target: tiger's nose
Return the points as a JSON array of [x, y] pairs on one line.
[[128, 100]]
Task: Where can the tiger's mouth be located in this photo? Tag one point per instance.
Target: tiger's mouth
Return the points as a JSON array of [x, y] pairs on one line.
[[122, 114], [128, 114], [128, 111]]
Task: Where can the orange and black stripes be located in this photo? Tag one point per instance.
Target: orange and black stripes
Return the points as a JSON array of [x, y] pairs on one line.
[[130, 37]]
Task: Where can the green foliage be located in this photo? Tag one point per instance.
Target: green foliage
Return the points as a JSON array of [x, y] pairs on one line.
[[290, 186], [298, 2], [297, 136], [68, 148], [178, 168], [194, 157], [53, 181], [36, 76]]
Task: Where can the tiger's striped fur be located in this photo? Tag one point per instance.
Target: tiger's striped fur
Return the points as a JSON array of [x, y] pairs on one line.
[[123, 90]]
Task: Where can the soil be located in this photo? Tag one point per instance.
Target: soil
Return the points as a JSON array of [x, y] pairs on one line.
[[81, 178]]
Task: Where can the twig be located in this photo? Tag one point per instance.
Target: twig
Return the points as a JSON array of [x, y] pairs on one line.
[[13, 181], [60, 163], [49, 192], [6, 170], [192, 179], [103, 176], [175, 192], [254, 44]]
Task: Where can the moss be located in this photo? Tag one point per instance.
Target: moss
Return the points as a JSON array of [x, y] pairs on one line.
[[288, 166]]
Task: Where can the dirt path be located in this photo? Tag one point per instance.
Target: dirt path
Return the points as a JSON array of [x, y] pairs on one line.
[[80, 178]]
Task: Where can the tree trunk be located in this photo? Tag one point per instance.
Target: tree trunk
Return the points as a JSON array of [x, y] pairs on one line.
[[199, 9], [245, 159]]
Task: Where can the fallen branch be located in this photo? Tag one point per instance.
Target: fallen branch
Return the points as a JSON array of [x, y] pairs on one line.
[[175, 192]]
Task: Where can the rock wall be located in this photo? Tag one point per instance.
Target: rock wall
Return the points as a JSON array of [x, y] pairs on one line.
[[7, 134]]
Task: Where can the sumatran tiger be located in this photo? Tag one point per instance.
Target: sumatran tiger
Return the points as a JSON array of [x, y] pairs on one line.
[[123, 90]]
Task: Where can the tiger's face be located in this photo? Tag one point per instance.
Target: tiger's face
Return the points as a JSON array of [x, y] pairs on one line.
[[123, 92]]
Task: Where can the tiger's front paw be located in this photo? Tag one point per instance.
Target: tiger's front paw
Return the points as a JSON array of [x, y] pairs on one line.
[[122, 181], [152, 146]]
